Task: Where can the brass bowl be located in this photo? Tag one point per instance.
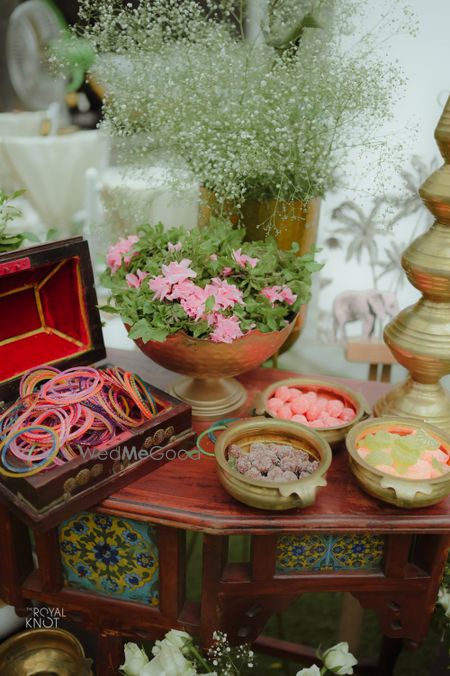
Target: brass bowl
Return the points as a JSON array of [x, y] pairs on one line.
[[210, 388], [268, 494], [327, 388], [402, 492], [43, 652]]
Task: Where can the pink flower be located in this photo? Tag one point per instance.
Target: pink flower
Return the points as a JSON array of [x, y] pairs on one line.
[[226, 272], [213, 257], [226, 294], [242, 259], [174, 247], [116, 251], [194, 304], [161, 286], [282, 294], [135, 281], [273, 293], [288, 296], [178, 272], [182, 290], [226, 329]]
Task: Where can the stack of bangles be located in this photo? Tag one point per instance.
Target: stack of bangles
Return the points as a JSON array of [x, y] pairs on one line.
[[61, 412]]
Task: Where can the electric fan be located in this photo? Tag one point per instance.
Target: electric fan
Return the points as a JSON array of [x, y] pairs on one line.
[[36, 29]]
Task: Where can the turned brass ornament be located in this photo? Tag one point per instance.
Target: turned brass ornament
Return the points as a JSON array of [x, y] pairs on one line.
[[419, 337]]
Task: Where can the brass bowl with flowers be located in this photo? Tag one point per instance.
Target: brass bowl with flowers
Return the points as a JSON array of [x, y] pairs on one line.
[[210, 388], [334, 434], [43, 651], [396, 490], [265, 494]]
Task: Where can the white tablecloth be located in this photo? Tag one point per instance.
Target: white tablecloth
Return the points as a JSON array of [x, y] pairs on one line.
[[52, 170]]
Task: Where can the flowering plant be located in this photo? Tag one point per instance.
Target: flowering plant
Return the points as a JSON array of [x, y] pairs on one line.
[[272, 117], [206, 282], [178, 655], [336, 659]]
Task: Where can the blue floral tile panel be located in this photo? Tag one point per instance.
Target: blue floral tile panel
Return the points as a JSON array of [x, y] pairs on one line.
[[325, 552], [111, 556]]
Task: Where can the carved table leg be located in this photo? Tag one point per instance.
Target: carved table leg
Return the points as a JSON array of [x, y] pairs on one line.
[[109, 655], [215, 550]]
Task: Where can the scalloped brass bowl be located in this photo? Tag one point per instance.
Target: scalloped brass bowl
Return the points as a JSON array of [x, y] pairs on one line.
[[210, 389], [43, 651], [267, 494], [402, 492], [329, 389]]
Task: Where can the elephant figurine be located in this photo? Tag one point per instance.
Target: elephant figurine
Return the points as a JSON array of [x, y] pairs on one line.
[[367, 306]]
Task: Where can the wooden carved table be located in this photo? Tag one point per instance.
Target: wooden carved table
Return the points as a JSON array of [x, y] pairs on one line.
[[120, 569]]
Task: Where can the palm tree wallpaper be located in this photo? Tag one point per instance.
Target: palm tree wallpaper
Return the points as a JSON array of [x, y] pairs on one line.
[[371, 239]]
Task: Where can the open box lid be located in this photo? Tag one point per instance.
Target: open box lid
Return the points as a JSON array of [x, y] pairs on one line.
[[48, 311]]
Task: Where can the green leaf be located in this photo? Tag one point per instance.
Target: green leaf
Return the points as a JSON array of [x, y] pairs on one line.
[[31, 236], [52, 233], [108, 308], [144, 330], [210, 302]]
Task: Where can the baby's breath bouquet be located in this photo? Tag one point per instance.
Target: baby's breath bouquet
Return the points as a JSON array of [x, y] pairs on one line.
[[206, 282], [179, 655], [269, 118]]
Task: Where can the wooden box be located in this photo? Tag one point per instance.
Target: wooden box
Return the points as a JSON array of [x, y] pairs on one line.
[[49, 315]]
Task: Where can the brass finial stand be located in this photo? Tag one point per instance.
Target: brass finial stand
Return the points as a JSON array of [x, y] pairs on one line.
[[419, 337]]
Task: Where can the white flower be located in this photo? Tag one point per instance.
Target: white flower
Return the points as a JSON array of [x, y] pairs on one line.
[[444, 600], [135, 660], [339, 660], [177, 638], [169, 661], [309, 671]]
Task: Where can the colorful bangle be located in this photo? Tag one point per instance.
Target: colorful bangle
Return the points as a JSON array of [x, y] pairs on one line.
[[12, 470], [61, 412]]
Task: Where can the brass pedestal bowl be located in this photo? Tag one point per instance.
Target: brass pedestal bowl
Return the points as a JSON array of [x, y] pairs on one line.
[[210, 388], [402, 492], [269, 494], [42, 652]]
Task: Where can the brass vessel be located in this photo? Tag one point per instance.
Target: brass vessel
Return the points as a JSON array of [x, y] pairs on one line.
[[335, 436], [419, 337], [210, 388], [402, 492], [265, 494], [287, 222], [39, 652]]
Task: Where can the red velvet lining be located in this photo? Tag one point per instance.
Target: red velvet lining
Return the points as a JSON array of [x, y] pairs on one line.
[[54, 305]]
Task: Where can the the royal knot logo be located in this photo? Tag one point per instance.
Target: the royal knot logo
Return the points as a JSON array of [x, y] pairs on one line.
[[44, 618]]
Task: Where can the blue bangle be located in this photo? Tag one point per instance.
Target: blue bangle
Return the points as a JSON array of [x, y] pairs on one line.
[[31, 428]]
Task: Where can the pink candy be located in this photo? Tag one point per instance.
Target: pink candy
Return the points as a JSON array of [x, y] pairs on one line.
[[309, 408]]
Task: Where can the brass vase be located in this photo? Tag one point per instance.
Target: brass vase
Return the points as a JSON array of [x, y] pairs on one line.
[[54, 652], [419, 337], [287, 222], [210, 388]]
